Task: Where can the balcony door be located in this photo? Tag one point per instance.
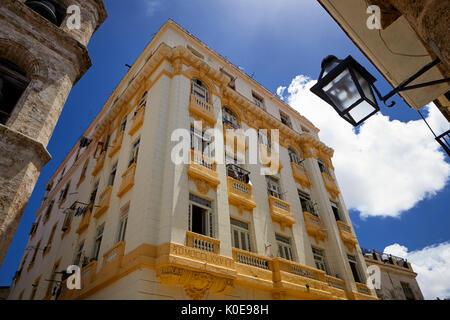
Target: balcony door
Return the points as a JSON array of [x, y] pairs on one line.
[[201, 216]]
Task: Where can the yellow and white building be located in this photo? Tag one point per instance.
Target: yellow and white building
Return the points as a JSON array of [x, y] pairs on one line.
[[143, 227]]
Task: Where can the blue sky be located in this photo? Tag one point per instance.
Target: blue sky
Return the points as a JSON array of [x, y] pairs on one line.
[[275, 40]]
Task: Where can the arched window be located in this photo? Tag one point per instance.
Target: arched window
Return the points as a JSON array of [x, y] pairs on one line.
[[295, 157], [53, 11], [13, 82], [229, 118], [200, 90]]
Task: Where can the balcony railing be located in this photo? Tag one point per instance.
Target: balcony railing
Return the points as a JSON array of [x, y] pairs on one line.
[[330, 185], [281, 212], [114, 253], [251, 259], [138, 121], [99, 165], [363, 288], [201, 242], [347, 235], [116, 144], [300, 275], [336, 287], [127, 180], [202, 109], [103, 201], [300, 175], [240, 195], [314, 227], [203, 168]]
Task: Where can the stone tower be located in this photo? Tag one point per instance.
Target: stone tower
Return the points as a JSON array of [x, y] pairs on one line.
[[42, 55]]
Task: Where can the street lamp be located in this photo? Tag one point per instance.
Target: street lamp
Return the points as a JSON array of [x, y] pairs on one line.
[[349, 88]]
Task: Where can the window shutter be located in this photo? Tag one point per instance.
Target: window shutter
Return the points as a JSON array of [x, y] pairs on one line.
[[211, 225], [190, 218]]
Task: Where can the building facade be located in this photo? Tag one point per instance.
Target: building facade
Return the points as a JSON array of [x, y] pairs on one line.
[[143, 226], [398, 279], [42, 55]]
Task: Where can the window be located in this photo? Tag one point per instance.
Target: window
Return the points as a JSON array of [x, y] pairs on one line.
[[322, 166], [295, 158], [230, 118], [273, 187], [201, 142], [199, 90], [354, 267], [240, 235], [201, 217], [264, 138], [307, 204], [123, 223], [49, 210], [335, 208], [79, 254], [112, 175], [50, 239], [48, 188], [69, 216], [409, 295], [134, 152], [83, 171], [284, 247], [52, 280], [51, 10], [34, 227], [123, 124], [98, 242], [13, 82], [94, 194], [34, 288], [285, 119], [64, 192], [142, 102], [36, 249], [319, 259], [258, 100]]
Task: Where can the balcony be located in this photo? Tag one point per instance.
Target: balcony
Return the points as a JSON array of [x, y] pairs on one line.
[[240, 192], [303, 281], [99, 165], [300, 175], [127, 180], [116, 144], [138, 121], [281, 212], [201, 242], [330, 185], [347, 236], [253, 270], [202, 109], [84, 223], [103, 201], [202, 170], [336, 287], [363, 293], [314, 227]]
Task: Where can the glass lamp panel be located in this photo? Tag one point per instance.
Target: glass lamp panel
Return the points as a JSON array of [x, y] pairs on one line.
[[361, 111], [342, 91], [365, 86]]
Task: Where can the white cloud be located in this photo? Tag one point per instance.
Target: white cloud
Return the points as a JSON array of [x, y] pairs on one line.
[[152, 6], [388, 166], [432, 264]]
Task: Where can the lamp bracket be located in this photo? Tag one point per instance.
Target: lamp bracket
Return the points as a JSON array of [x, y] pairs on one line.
[[404, 85]]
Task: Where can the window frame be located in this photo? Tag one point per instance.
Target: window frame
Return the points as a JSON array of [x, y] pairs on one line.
[[243, 235], [285, 243]]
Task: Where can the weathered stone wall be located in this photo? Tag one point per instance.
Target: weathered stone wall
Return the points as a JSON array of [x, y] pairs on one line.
[[53, 58]]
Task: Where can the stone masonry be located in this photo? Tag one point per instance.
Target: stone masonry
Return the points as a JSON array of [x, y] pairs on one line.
[[54, 58]]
